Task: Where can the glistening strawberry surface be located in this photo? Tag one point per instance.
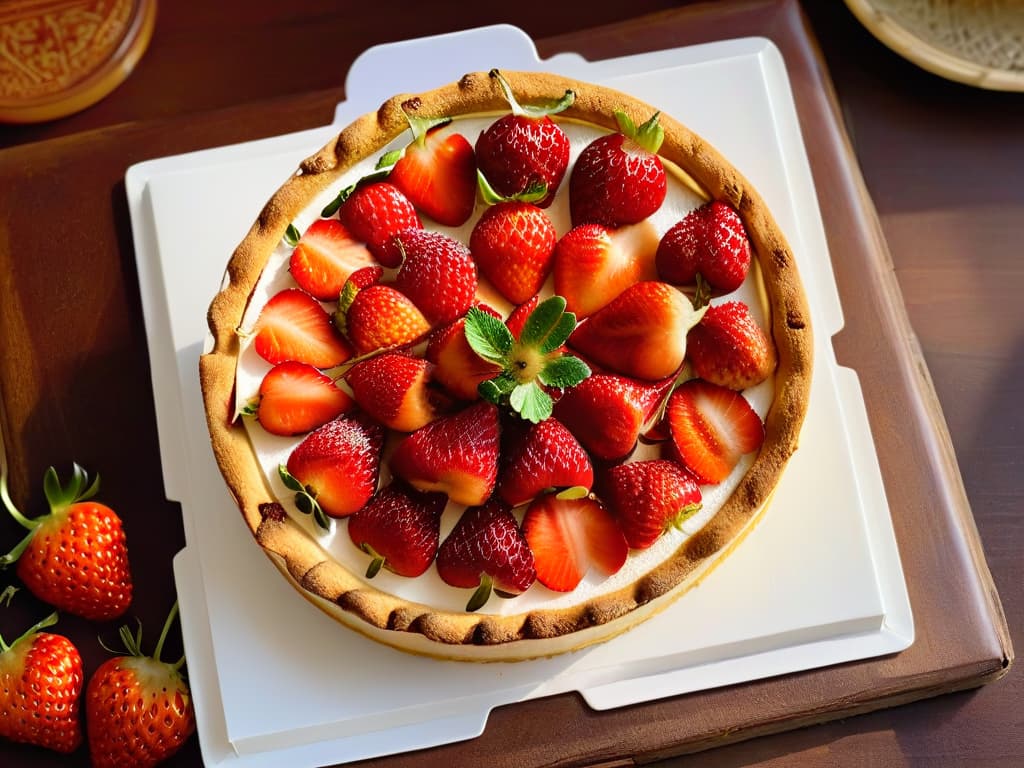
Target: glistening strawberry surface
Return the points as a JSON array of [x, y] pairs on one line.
[[399, 529], [709, 241], [514, 244]]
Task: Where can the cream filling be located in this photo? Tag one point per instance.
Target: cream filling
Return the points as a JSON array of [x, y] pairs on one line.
[[271, 450]]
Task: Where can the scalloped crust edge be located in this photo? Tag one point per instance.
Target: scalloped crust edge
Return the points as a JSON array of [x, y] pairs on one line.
[[544, 632]]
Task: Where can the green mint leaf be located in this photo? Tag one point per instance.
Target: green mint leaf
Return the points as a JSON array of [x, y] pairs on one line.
[[388, 159], [531, 402], [564, 372], [548, 326], [289, 480], [332, 207], [292, 236], [488, 336]]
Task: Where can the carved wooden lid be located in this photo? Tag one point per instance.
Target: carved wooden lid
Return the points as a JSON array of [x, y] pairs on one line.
[[61, 56]]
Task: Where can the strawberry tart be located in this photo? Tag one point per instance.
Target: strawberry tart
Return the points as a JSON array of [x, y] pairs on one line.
[[506, 367]]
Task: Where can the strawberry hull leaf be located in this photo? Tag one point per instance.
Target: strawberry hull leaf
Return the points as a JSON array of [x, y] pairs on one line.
[[531, 402], [546, 324], [564, 372], [488, 336]]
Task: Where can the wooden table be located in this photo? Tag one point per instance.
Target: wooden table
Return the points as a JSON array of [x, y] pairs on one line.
[[943, 164]]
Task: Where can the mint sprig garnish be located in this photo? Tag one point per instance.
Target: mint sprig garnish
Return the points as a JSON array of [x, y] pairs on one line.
[[534, 359], [292, 236]]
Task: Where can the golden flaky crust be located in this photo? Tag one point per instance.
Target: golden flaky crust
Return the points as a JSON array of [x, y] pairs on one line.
[[388, 618]]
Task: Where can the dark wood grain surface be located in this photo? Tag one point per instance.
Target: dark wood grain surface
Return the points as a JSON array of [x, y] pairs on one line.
[[942, 163]]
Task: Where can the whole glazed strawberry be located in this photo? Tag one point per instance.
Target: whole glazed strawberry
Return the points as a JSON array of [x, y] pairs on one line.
[[138, 708], [40, 687], [76, 556]]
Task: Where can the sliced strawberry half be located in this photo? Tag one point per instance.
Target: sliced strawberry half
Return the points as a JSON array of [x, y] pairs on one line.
[[399, 529], [437, 274], [295, 398], [607, 412], [293, 326], [395, 390], [457, 367], [374, 214], [539, 457], [514, 244], [456, 454], [593, 263], [437, 172], [712, 428], [568, 537], [334, 470], [649, 497], [641, 333], [486, 550], [324, 258]]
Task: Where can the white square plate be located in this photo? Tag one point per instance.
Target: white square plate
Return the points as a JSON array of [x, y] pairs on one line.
[[817, 582]]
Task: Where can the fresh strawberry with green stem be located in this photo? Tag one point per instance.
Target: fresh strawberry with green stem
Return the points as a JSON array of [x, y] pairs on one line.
[[41, 682], [437, 274], [568, 537], [294, 326], [525, 152], [641, 333], [324, 257], [399, 529], [728, 347], [486, 551], [456, 454], [335, 469], [138, 708], [618, 178], [295, 398], [75, 557], [608, 412], [593, 263], [395, 390], [712, 428], [709, 241], [437, 170], [540, 457], [529, 363], [513, 244], [374, 213], [458, 369], [649, 497]]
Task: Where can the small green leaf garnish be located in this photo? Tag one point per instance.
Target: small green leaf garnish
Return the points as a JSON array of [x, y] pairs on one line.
[[388, 160], [649, 135], [332, 207], [534, 359], [534, 193], [538, 110], [292, 236], [573, 492], [376, 561], [251, 408], [305, 497], [481, 595]]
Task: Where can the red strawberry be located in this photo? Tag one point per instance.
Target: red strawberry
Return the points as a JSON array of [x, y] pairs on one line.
[[324, 258], [293, 326], [607, 412], [374, 213], [76, 557], [138, 708], [437, 172], [458, 368], [40, 685], [728, 347], [381, 317], [641, 333], [456, 454], [513, 243], [712, 428], [709, 241], [542, 456], [437, 274], [486, 550], [619, 179], [399, 529], [295, 398], [594, 264], [649, 497], [568, 537], [334, 470], [394, 389], [525, 150]]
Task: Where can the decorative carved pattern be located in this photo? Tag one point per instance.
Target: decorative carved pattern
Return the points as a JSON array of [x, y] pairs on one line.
[[47, 46]]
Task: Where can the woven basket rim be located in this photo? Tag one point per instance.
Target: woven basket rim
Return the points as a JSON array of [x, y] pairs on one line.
[[889, 30]]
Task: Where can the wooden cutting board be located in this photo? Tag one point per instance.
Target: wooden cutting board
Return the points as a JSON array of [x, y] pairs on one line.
[[74, 383]]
